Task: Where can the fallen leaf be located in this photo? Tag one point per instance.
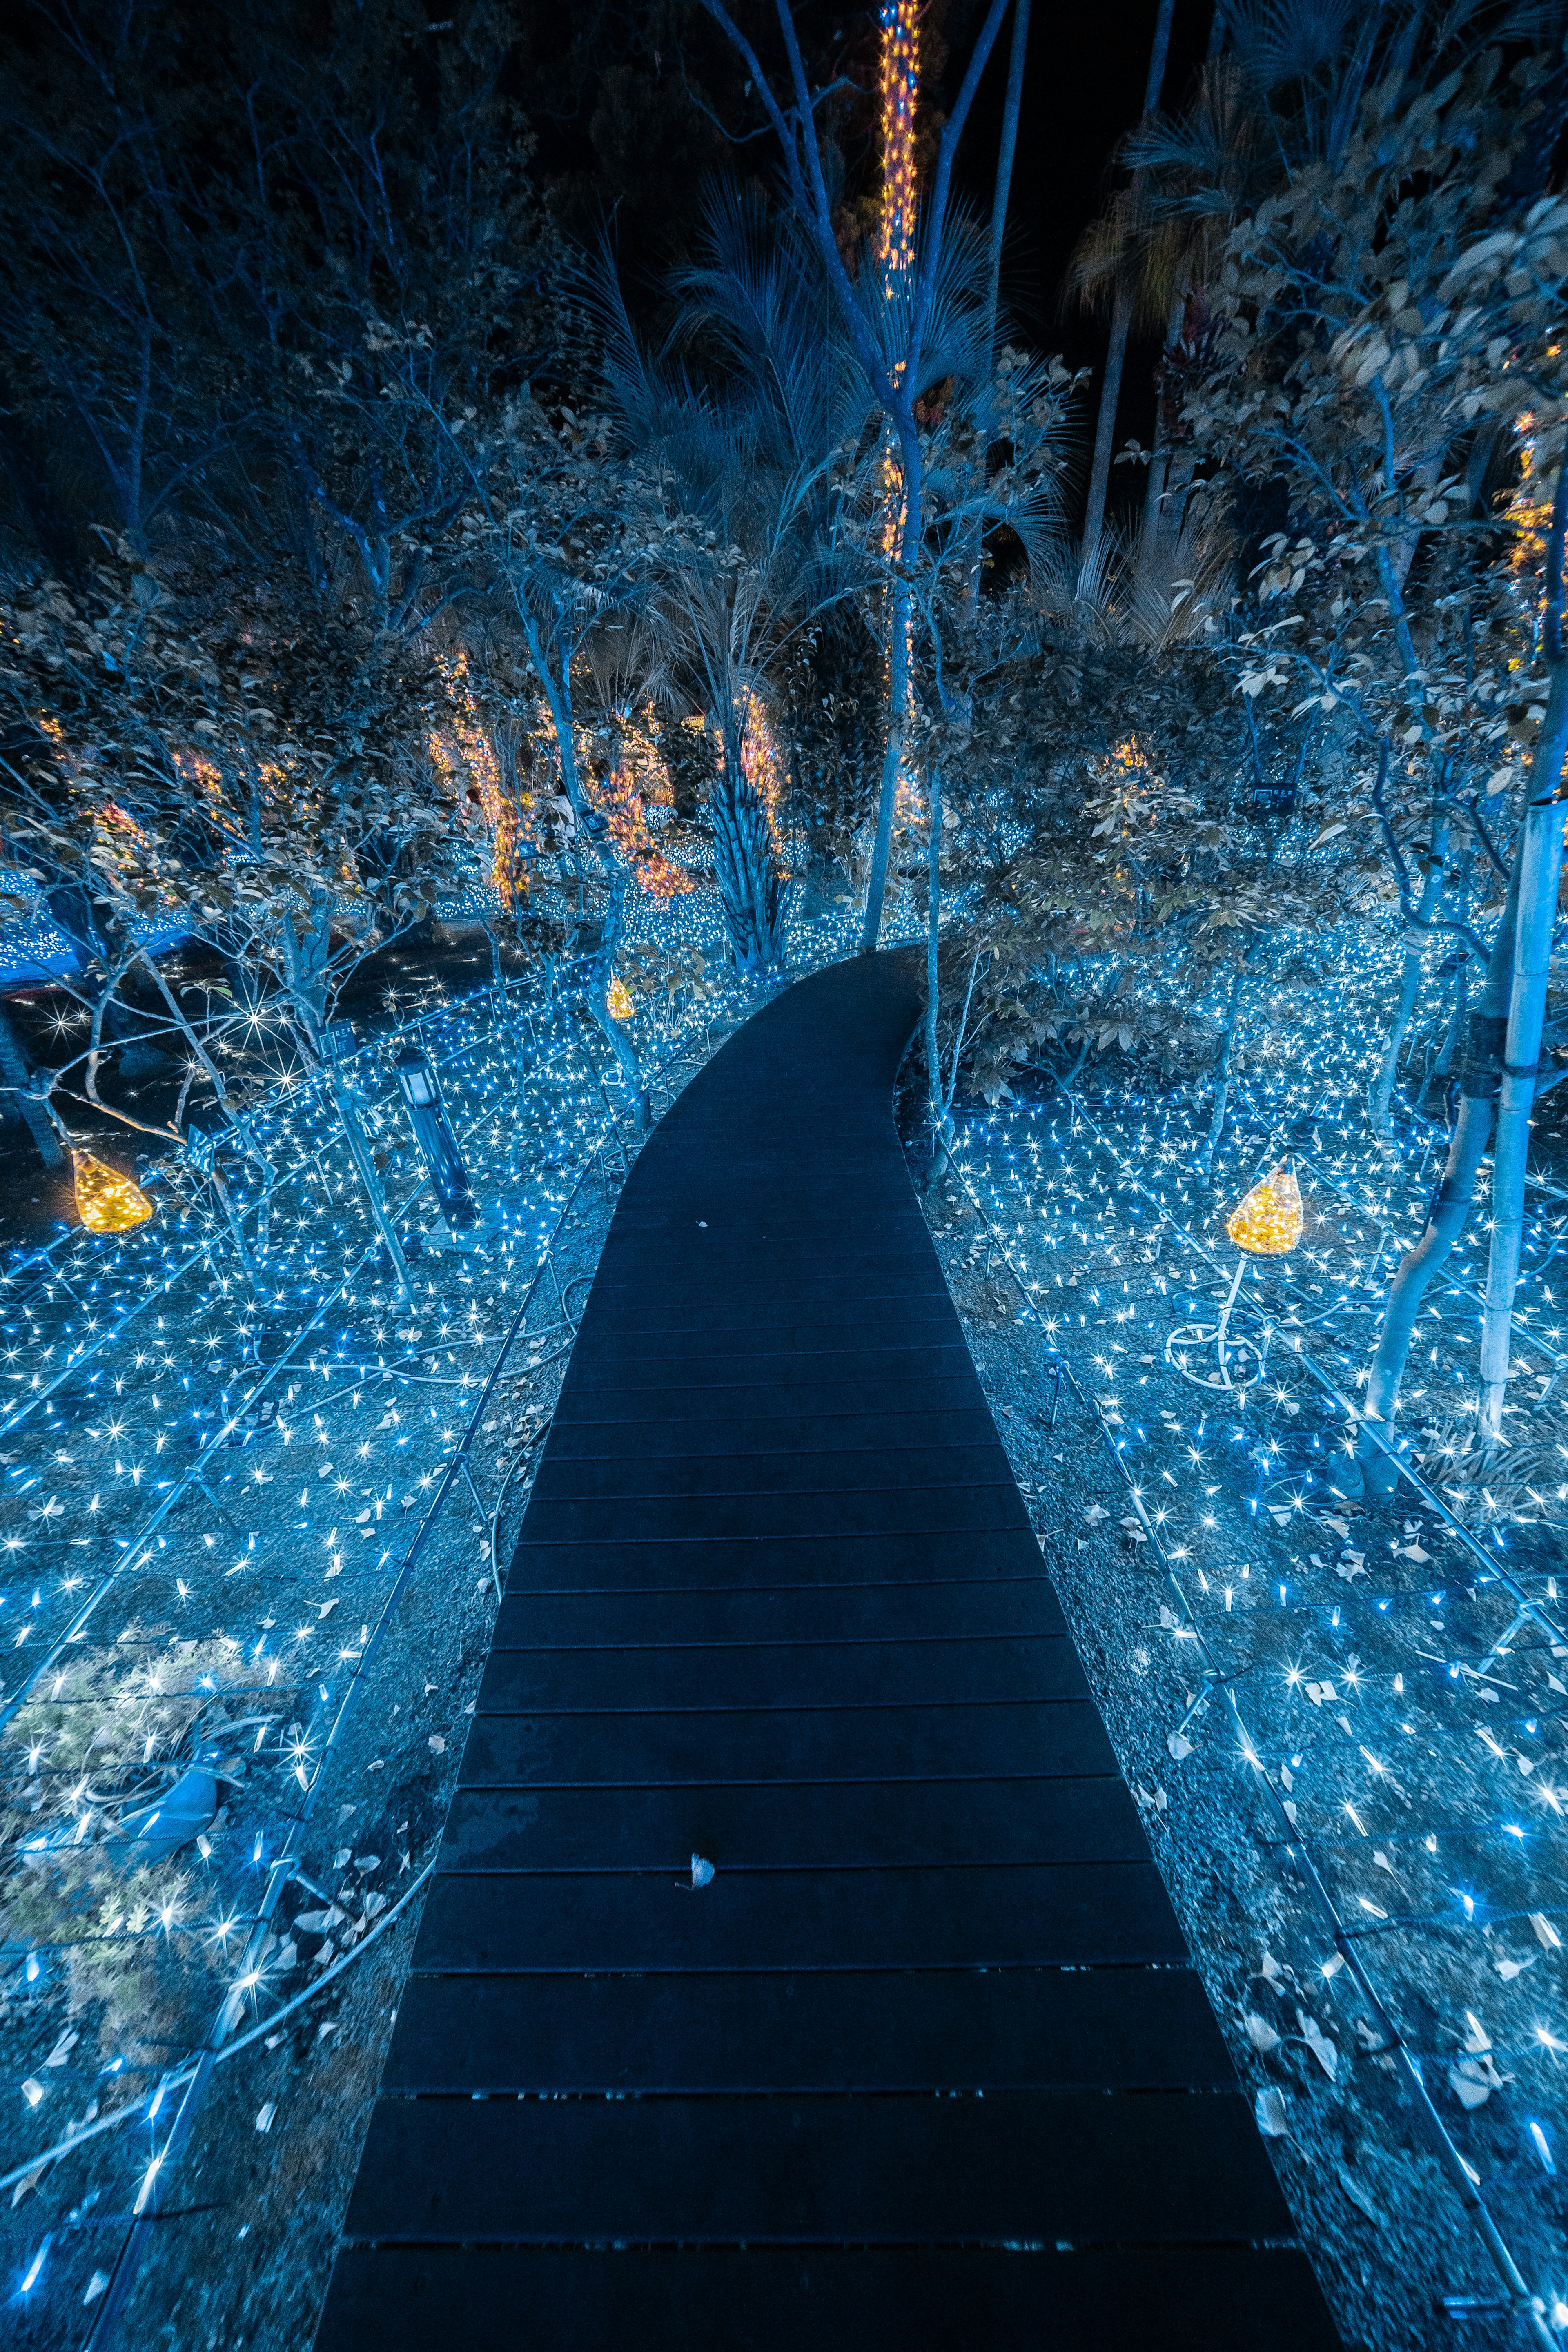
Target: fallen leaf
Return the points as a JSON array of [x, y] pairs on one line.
[[1318, 2043], [1269, 2108], [1360, 2196]]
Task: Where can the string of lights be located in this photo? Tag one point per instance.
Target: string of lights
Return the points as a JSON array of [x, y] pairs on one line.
[[1402, 1678], [242, 1379]]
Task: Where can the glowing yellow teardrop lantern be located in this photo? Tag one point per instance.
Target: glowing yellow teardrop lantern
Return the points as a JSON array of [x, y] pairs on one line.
[[107, 1201], [620, 1002], [1268, 1222]]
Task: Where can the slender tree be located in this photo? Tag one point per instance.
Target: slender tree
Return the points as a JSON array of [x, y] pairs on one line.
[[1120, 324], [896, 350]]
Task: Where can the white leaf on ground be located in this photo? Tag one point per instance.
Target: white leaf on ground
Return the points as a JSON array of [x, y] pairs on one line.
[[1477, 2039], [265, 2116], [1317, 2041], [1095, 1513], [1179, 1745], [1509, 1969], [1545, 1932], [62, 2050], [437, 1743], [1468, 2083], [1360, 2196], [1268, 2107], [95, 2287], [701, 1872], [1261, 2034]]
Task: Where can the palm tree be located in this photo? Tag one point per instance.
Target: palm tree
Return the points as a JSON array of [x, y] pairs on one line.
[[745, 433]]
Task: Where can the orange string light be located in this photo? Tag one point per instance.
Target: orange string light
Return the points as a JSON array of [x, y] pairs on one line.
[[900, 76]]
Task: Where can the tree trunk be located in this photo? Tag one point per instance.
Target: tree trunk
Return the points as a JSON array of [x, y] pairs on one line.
[[16, 1073], [933, 922], [1538, 865], [1105, 426], [1010, 111], [1204, 1169], [354, 1135], [974, 537], [1444, 1064], [751, 892], [897, 695], [1155, 519], [1450, 1207], [1121, 321], [598, 995], [1410, 982]]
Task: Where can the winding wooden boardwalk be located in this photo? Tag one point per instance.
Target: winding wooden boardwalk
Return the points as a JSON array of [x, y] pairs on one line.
[[925, 2065]]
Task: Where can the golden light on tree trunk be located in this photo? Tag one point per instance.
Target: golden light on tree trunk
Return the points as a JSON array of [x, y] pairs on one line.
[[107, 1201], [901, 81], [1268, 1222]]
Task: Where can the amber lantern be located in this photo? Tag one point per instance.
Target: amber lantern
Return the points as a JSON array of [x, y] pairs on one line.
[[107, 1201], [620, 1000], [1268, 1222]]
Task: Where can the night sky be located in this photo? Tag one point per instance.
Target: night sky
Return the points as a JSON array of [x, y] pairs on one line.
[[622, 105]]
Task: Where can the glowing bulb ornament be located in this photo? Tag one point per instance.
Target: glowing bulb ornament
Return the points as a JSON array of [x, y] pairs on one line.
[[1268, 1222], [107, 1201], [619, 1000]]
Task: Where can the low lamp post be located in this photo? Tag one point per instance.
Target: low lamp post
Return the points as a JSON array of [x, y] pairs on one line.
[[1266, 1224], [433, 1134]]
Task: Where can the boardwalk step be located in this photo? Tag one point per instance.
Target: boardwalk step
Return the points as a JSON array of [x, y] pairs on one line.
[[721, 2301]]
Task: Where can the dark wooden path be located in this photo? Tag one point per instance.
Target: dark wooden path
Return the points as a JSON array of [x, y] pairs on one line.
[[925, 2065]]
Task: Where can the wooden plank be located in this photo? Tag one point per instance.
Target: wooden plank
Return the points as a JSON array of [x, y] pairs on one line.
[[1149, 2168], [1209, 2299], [932, 1609], [773, 1825], [871, 1743], [880, 2029], [985, 1915], [983, 1667]]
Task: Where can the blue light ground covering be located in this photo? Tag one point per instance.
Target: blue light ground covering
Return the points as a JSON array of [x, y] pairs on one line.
[[925, 2064]]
